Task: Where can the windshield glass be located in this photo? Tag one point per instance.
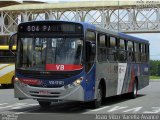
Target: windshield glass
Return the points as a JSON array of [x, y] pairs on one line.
[[38, 53]]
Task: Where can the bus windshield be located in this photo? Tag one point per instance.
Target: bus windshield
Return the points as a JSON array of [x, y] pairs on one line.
[[36, 53]]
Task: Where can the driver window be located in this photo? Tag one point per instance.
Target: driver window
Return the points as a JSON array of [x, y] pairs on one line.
[[90, 46], [90, 49]]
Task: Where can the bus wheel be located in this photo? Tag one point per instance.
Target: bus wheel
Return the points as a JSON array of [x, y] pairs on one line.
[[44, 104], [133, 94], [97, 103]]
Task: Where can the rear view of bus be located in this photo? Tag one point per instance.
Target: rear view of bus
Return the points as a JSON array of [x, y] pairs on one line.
[[7, 66]]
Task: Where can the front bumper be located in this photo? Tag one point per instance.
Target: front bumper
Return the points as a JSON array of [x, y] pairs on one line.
[[23, 91]]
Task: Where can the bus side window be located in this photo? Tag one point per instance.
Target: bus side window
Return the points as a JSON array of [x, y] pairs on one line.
[[140, 51], [147, 53], [130, 51], [102, 50], [136, 52], [143, 53], [122, 50], [112, 50]]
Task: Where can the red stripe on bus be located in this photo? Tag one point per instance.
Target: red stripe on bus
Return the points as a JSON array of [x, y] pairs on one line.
[[30, 81], [132, 79], [63, 67]]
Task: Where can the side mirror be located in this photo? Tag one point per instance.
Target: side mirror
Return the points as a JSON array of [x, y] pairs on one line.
[[11, 43]]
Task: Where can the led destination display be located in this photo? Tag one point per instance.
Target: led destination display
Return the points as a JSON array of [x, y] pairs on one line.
[[51, 27]]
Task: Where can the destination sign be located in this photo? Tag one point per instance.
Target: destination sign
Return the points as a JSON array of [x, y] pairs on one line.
[[63, 27]]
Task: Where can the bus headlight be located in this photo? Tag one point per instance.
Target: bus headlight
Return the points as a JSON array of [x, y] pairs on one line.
[[75, 83], [78, 81], [16, 79]]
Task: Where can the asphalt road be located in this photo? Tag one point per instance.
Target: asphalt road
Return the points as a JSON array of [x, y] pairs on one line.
[[147, 102]]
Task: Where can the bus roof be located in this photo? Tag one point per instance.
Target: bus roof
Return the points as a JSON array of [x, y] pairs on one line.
[[133, 38]]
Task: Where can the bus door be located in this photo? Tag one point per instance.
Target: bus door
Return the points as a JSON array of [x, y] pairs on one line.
[[90, 65]]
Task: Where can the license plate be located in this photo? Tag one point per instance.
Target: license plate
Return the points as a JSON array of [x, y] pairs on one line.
[[44, 93]]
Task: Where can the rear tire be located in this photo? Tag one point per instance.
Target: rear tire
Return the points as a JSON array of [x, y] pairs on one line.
[[44, 104], [97, 103], [133, 94]]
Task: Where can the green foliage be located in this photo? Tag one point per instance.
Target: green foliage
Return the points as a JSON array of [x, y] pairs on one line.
[[155, 67], [154, 77]]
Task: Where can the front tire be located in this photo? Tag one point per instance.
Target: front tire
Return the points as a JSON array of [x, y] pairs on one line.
[[97, 103], [44, 104]]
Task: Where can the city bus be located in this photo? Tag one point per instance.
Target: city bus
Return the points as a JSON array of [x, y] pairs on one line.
[[77, 61], [7, 66]]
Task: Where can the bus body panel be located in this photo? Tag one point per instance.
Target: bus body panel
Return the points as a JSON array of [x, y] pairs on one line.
[[7, 65], [26, 92], [119, 77], [6, 73], [65, 92], [84, 92], [90, 84]]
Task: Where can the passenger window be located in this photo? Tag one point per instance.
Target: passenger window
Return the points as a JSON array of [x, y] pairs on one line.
[[130, 46], [122, 44], [143, 53], [102, 49], [112, 50], [102, 40], [143, 48], [112, 42], [130, 51], [147, 52], [122, 55], [136, 52], [136, 47]]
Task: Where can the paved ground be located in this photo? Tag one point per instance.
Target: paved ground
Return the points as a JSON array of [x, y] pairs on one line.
[[147, 102]]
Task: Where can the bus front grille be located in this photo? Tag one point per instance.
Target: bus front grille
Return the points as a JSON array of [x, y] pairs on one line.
[[51, 94], [50, 75], [45, 96], [46, 86]]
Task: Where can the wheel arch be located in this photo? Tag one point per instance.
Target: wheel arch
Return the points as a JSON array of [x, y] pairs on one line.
[[136, 80], [103, 85]]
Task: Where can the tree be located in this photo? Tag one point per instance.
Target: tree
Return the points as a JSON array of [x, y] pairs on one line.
[[155, 67]]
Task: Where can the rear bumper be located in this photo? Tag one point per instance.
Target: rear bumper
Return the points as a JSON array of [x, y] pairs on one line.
[[23, 91]]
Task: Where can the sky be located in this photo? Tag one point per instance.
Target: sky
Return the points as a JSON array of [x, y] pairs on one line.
[[153, 38]]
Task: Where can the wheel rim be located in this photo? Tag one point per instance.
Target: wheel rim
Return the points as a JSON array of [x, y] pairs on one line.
[[99, 95], [135, 89]]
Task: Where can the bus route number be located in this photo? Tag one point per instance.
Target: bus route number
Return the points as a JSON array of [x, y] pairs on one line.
[[60, 67]]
